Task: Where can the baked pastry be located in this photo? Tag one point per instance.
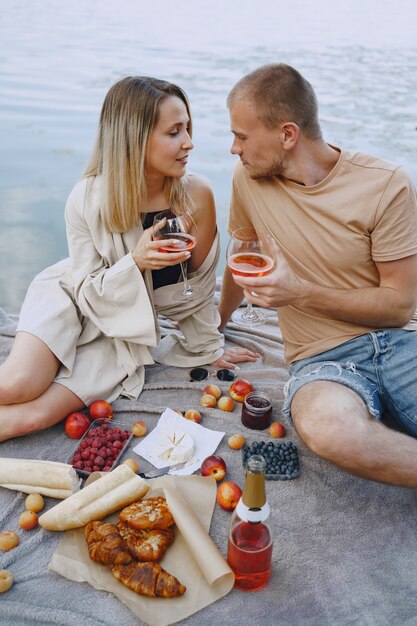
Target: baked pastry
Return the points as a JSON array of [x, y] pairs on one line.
[[146, 545], [148, 579], [105, 545], [147, 514]]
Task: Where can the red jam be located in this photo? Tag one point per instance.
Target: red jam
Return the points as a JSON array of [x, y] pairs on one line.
[[256, 411]]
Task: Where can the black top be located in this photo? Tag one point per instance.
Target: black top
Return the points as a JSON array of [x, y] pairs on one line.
[[167, 275]]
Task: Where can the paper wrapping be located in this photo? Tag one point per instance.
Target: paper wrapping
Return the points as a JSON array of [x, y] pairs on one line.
[[193, 557]]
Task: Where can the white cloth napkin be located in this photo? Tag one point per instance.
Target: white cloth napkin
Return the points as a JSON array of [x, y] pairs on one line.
[[205, 442]]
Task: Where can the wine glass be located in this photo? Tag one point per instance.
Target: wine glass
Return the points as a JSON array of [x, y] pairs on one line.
[[250, 255], [181, 230]]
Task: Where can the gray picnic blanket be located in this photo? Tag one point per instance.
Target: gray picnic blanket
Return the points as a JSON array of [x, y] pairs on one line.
[[344, 549]]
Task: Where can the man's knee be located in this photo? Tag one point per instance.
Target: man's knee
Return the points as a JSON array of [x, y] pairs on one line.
[[330, 418]]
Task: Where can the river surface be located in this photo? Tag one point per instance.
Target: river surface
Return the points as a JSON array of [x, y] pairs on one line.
[[58, 59]]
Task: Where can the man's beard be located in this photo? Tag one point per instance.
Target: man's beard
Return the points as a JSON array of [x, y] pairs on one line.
[[276, 168]]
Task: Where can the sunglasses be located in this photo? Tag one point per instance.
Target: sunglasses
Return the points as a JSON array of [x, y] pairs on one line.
[[200, 373]]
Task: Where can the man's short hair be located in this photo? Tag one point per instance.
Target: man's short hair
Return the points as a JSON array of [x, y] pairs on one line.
[[279, 94]]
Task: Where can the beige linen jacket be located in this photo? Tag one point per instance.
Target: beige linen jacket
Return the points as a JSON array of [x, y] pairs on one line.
[[97, 306]]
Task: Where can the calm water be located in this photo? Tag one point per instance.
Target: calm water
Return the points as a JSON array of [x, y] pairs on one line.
[[58, 59]]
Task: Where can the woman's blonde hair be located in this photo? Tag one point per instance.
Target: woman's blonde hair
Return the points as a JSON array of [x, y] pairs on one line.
[[130, 111]]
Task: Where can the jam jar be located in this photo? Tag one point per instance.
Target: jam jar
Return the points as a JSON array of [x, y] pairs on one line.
[[256, 411]]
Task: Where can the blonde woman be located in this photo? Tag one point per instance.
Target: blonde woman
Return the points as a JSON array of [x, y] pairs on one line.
[[88, 324]]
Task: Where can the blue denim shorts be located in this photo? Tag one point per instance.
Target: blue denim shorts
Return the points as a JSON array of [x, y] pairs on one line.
[[380, 366]]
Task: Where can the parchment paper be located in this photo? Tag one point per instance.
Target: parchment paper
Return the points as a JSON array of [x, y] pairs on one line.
[[193, 557]]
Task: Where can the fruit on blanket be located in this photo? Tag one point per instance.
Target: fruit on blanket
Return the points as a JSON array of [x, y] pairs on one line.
[[226, 404], [28, 520], [277, 429], [213, 390], [214, 466], [34, 502], [6, 580], [239, 389], [133, 464], [228, 495], [100, 448], [208, 400], [100, 409], [76, 424], [193, 415], [139, 429], [8, 540], [236, 442]]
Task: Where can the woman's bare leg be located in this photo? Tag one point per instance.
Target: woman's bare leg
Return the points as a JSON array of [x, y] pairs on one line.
[[28, 370], [48, 409]]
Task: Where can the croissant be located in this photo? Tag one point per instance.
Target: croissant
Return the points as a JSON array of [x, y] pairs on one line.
[[105, 545], [146, 545], [148, 579]]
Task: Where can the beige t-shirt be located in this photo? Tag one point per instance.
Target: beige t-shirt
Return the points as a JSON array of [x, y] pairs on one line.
[[331, 234]]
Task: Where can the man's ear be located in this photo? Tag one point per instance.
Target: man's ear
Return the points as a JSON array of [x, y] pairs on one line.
[[289, 134]]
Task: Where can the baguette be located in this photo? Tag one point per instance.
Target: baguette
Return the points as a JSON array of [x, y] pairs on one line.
[[108, 494], [55, 480]]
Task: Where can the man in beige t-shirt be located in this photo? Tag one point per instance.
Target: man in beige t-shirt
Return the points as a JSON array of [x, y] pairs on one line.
[[345, 285]]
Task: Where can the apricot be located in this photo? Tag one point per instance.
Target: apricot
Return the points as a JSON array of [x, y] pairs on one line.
[[6, 580], [277, 429], [193, 415], [213, 390], [28, 520], [132, 464], [236, 442], [8, 540], [226, 404], [139, 429], [208, 400], [34, 502]]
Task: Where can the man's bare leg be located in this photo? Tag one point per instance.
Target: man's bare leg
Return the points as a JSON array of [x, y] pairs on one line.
[[334, 423]]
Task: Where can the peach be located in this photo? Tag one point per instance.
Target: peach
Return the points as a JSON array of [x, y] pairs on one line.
[[132, 464], [226, 404], [239, 389], [277, 429], [208, 400], [28, 520], [213, 390], [228, 495], [34, 502], [100, 409], [139, 429], [8, 540], [193, 415], [6, 580], [214, 466], [236, 442]]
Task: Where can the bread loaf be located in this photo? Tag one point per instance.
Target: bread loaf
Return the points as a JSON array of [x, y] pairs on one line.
[[56, 480], [106, 495]]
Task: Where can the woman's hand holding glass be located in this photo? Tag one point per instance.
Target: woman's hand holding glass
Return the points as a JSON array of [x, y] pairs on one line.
[[148, 255]]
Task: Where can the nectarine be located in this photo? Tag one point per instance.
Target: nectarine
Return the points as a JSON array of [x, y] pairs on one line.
[[213, 390], [228, 495], [100, 409], [214, 466], [239, 389]]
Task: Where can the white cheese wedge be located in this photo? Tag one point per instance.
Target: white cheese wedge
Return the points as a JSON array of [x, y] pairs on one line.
[[175, 446]]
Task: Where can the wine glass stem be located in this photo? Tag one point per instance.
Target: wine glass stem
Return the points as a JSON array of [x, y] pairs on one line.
[[187, 290], [249, 313]]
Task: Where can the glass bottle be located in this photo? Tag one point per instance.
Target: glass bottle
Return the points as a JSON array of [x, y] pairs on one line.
[[249, 549]]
